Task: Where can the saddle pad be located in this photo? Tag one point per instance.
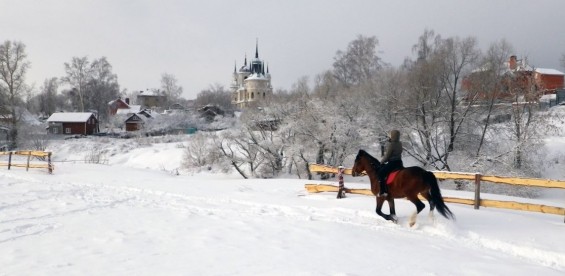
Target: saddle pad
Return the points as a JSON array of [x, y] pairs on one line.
[[391, 177]]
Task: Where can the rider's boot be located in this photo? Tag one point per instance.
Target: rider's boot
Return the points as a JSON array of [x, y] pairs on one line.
[[383, 189]]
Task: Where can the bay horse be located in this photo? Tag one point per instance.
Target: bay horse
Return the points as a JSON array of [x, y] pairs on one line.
[[409, 182]]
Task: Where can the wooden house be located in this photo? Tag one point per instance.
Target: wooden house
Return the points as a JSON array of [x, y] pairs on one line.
[[151, 99], [135, 122], [84, 123], [117, 104], [549, 80]]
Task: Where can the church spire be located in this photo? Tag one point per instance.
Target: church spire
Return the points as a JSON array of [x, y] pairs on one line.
[[235, 66], [245, 64], [257, 48]]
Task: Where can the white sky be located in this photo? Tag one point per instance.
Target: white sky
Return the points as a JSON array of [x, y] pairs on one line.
[[133, 217], [198, 41]]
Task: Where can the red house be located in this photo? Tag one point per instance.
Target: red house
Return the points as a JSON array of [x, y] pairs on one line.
[[516, 77], [115, 105], [84, 123], [549, 80]]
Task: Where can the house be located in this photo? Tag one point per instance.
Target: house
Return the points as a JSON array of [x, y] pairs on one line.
[[549, 80], [209, 112], [135, 122], [117, 104], [517, 78], [151, 99], [84, 123]]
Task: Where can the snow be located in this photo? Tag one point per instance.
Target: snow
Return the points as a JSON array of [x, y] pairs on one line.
[[548, 71], [135, 216], [70, 117]]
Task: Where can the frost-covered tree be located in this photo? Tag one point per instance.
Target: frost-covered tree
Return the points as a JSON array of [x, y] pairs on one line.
[[13, 69], [48, 103], [485, 87], [170, 88], [92, 84], [358, 63], [101, 88], [436, 111], [78, 73], [217, 95]]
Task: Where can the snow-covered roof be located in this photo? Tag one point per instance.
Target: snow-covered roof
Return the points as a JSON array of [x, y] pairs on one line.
[[548, 97], [256, 77], [153, 93], [132, 109], [548, 71], [141, 117], [69, 117]]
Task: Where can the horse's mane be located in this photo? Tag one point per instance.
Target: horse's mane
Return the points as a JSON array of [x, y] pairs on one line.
[[374, 161]]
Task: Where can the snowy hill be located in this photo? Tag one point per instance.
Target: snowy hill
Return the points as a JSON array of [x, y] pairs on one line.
[[134, 215]]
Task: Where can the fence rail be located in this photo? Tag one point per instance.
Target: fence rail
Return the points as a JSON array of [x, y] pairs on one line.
[[476, 177], [29, 154]]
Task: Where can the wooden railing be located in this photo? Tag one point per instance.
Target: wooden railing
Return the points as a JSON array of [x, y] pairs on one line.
[[42, 155], [476, 177]]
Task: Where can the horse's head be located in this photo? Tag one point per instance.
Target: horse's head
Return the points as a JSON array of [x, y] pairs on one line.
[[364, 162], [357, 165]]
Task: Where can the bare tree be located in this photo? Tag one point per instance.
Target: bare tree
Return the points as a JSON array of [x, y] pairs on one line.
[[439, 107], [79, 73], [48, 103], [13, 68], [170, 87], [215, 94], [421, 102], [101, 88], [486, 84], [358, 63]]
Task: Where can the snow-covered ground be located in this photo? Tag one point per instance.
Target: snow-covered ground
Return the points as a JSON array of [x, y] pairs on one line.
[[136, 216]]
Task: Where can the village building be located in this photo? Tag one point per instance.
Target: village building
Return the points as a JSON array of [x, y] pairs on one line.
[[135, 122], [83, 123], [516, 76], [152, 99], [251, 83]]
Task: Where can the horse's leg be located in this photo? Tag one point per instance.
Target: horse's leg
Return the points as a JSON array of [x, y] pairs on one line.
[[419, 207], [390, 200], [427, 196], [380, 201]]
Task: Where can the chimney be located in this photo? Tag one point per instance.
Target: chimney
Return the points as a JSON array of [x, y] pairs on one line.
[[512, 63], [127, 101]]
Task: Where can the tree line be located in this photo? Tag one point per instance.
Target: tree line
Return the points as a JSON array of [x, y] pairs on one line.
[[445, 99]]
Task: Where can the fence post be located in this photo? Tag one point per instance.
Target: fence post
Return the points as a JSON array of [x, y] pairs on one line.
[[49, 168], [341, 190], [9, 160], [477, 190], [28, 157]]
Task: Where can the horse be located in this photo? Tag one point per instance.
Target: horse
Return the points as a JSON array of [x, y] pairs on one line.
[[409, 182]]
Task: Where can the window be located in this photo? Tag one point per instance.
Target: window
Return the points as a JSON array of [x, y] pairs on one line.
[[67, 130], [55, 130]]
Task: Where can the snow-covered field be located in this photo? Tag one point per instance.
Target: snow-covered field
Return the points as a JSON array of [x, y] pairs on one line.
[[136, 216]]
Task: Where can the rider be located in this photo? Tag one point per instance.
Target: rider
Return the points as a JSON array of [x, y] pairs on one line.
[[392, 160]]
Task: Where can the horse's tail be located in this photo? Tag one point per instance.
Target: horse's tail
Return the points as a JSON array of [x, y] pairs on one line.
[[435, 195]]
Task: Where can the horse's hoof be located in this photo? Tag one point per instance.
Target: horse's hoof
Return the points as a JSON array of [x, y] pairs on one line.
[[411, 224]]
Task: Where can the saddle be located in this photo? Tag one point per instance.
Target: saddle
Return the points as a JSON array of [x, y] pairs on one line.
[[390, 177]]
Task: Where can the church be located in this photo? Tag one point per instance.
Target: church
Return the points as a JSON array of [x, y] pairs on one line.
[[251, 83]]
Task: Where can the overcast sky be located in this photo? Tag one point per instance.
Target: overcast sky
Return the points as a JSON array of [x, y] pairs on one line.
[[199, 41]]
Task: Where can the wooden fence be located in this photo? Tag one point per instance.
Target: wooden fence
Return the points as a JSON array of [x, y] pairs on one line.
[[43, 155], [476, 177]]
